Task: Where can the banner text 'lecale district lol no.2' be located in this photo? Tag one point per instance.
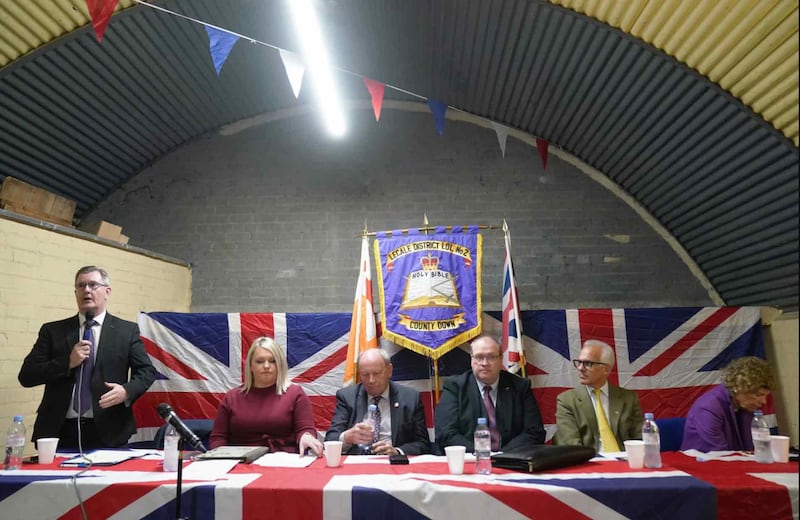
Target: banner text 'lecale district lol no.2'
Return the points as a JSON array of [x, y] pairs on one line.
[[430, 289]]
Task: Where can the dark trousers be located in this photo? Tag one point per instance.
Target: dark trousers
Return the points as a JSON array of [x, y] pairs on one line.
[[68, 437]]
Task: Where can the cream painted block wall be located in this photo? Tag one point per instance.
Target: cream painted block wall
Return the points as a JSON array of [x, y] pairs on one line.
[[781, 342], [37, 268]]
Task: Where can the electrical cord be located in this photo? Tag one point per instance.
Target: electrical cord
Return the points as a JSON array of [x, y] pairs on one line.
[[78, 386]]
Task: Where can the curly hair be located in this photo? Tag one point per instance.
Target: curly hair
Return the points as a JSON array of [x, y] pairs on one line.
[[748, 374]]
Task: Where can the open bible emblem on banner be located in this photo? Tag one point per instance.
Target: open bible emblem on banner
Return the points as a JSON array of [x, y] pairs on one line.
[[430, 289]]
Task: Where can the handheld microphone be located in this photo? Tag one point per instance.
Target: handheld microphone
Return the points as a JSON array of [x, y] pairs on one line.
[[87, 334], [168, 414], [89, 315]]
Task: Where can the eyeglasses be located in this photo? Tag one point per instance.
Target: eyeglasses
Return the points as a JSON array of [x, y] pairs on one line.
[[588, 364], [490, 358], [91, 285]]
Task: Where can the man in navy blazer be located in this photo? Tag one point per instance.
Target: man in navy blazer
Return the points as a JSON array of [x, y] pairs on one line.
[[402, 428], [517, 416], [121, 371]]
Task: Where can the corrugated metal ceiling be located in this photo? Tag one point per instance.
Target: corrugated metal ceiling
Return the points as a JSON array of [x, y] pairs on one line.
[[748, 47], [703, 132]]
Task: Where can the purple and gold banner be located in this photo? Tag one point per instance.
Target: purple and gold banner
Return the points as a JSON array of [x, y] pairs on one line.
[[430, 288]]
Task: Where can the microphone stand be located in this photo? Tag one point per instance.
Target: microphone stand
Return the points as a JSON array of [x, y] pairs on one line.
[[179, 482]]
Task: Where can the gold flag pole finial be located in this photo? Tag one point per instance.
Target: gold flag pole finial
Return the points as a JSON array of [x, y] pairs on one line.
[[505, 226]]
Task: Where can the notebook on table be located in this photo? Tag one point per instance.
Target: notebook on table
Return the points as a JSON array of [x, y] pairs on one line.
[[101, 458], [244, 454]]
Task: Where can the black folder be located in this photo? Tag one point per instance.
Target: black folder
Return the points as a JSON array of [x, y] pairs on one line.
[[542, 457]]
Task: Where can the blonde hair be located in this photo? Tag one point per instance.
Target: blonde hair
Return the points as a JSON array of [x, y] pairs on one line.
[[281, 365], [748, 374]]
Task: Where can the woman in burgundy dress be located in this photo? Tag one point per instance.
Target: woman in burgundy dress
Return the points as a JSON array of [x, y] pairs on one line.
[[267, 410]]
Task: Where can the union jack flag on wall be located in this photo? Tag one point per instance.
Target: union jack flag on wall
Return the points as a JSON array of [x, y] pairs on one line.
[[669, 356]]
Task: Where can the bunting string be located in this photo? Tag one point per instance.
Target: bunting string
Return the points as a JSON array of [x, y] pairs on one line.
[[219, 49]]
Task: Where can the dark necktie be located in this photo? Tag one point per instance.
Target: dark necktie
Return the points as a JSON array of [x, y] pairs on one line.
[[85, 389], [490, 415], [376, 433]]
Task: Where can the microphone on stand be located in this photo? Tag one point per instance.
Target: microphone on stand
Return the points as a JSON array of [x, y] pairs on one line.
[[168, 414]]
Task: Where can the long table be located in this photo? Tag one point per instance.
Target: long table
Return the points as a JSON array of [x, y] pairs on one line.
[[682, 488]]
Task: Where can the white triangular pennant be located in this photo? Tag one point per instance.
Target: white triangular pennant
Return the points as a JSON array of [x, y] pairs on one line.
[[502, 135], [295, 68]]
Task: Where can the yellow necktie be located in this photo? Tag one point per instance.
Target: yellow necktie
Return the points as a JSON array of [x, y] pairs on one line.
[[606, 435]]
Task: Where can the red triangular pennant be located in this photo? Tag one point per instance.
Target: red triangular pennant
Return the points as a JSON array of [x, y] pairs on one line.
[[100, 12], [542, 145], [375, 89]]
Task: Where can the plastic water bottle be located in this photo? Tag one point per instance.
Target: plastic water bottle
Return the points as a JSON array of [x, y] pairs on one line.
[[483, 448], [761, 439], [652, 442], [369, 419], [171, 439], [15, 444]]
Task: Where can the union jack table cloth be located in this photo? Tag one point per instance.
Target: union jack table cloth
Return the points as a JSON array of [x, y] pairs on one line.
[[682, 488]]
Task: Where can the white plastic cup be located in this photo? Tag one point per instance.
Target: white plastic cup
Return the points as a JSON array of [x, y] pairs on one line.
[[46, 448], [635, 452], [455, 459], [779, 445], [333, 453]]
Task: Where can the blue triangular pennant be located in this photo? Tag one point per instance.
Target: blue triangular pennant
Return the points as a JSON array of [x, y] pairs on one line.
[[220, 44], [438, 109]]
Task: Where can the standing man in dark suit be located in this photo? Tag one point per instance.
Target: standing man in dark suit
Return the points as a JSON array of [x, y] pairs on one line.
[[60, 361], [402, 428], [484, 390], [578, 419]]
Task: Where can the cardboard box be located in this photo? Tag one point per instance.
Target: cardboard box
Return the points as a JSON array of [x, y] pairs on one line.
[[104, 229], [26, 199]]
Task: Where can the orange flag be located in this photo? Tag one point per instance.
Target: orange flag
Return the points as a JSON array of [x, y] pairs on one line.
[[100, 12], [362, 326]]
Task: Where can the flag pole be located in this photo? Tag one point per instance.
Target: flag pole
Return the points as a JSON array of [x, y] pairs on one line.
[[363, 333], [514, 304], [426, 228]]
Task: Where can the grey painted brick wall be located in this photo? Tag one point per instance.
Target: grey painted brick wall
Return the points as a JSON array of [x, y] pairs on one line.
[[269, 217]]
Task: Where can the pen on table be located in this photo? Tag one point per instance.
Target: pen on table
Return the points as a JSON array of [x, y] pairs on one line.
[[75, 465]]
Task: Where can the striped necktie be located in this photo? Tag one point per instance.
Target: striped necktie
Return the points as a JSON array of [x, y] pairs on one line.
[[376, 433]]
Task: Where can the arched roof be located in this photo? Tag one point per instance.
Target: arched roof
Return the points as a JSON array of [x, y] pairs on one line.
[[691, 108]]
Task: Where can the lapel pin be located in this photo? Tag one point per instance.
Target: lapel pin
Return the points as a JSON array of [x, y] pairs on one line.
[[396, 404]]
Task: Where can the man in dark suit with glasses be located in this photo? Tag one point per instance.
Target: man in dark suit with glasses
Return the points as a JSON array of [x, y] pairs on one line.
[[596, 413], [488, 391], [93, 367]]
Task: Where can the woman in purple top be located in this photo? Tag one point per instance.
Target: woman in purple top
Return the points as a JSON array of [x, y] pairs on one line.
[[267, 410], [720, 419]]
